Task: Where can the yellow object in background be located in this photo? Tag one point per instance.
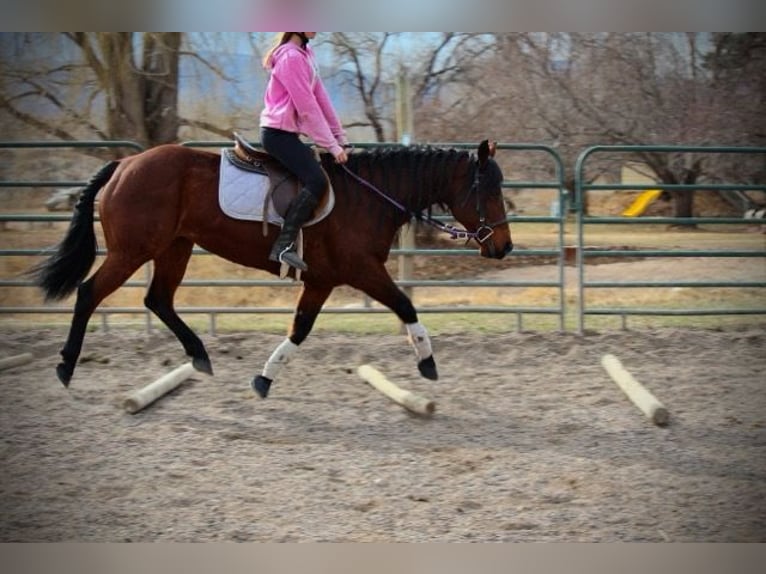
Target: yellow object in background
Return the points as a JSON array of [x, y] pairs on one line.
[[642, 202]]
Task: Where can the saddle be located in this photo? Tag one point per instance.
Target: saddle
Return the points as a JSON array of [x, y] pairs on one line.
[[283, 185]]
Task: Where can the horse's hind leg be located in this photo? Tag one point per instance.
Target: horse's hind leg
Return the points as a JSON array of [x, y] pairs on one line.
[[310, 303], [110, 276], [169, 269]]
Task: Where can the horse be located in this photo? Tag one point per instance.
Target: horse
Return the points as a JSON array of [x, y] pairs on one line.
[[156, 205]]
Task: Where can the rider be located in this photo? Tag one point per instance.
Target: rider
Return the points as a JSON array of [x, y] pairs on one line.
[[296, 103]]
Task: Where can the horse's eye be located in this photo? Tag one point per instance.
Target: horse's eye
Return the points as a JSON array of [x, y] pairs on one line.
[[489, 188]]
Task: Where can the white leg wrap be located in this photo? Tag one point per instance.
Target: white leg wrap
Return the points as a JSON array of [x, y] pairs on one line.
[[419, 339], [279, 358]]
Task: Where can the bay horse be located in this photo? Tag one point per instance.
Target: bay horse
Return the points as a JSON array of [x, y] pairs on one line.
[[156, 205]]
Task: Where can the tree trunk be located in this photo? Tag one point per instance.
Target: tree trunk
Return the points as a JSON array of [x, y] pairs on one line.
[[123, 85], [141, 90], [683, 200], [683, 203], [161, 62]]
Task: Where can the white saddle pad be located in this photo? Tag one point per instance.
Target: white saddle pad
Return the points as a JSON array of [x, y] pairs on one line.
[[241, 195]]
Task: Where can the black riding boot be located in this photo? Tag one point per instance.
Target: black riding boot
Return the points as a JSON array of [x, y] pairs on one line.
[[299, 212]]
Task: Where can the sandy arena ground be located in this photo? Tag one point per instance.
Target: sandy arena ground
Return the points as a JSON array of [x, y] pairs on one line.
[[531, 441]]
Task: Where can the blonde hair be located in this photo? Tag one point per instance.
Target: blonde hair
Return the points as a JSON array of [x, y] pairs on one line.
[[280, 39]]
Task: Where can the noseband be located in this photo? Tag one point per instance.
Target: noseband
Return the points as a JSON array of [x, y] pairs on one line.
[[482, 233]]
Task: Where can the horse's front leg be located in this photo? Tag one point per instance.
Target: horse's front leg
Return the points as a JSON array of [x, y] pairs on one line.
[[418, 337], [310, 303], [382, 288]]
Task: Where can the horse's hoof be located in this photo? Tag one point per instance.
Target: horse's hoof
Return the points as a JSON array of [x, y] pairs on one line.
[[261, 386], [203, 365], [427, 368], [64, 373]]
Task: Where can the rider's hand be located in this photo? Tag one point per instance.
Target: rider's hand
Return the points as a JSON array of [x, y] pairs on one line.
[[341, 156]]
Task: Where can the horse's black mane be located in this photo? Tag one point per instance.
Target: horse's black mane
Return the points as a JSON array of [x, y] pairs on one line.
[[415, 176]]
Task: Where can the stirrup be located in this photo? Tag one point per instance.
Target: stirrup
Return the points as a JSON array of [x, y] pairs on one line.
[[290, 256]]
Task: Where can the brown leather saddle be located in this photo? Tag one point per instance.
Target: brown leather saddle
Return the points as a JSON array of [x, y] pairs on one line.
[[283, 187]]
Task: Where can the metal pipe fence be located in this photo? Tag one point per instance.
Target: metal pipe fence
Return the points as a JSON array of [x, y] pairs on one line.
[[584, 285], [557, 308], [557, 250]]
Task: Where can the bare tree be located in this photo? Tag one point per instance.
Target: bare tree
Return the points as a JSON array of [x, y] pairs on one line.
[[364, 54], [112, 85], [736, 65], [141, 87], [567, 90], [627, 89], [437, 68]]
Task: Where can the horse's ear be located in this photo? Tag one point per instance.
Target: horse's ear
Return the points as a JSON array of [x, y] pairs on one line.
[[483, 152]]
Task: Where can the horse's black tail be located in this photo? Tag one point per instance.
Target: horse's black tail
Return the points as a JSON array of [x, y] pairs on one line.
[[62, 272]]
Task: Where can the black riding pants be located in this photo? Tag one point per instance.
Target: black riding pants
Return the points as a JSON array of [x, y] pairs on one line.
[[296, 156]]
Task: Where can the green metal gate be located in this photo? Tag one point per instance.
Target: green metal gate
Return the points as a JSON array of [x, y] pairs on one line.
[[583, 221]]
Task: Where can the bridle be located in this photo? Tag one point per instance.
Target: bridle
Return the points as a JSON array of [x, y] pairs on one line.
[[483, 232]]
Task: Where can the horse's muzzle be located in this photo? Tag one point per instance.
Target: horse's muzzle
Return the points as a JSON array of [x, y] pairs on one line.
[[493, 253]]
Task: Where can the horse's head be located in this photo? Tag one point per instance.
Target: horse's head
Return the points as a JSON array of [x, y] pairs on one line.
[[482, 209]]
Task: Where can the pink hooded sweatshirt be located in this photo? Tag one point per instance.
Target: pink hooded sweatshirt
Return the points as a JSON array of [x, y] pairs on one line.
[[296, 100]]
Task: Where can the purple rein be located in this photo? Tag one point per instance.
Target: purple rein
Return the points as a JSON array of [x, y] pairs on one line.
[[453, 232]]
